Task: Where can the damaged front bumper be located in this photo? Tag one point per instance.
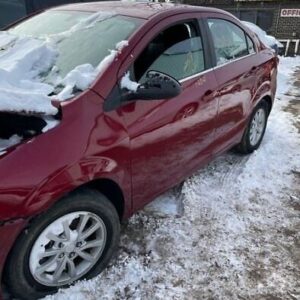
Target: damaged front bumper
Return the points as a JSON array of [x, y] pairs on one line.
[[18, 127]]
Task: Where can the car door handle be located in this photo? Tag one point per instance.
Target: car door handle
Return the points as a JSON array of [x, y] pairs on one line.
[[207, 96], [208, 93]]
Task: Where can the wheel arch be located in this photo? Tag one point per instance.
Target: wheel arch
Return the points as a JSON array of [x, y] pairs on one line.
[[269, 101], [111, 190]]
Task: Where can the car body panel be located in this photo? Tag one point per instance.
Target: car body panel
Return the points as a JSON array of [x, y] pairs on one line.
[[161, 143], [160, 139], [145, 147], [85, 146]]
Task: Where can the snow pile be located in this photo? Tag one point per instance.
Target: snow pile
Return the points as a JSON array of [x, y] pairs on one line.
[[20, 64], [24, 62], [6, 39], [84, 75], [287, 66], [4, 144], [24, 59], [127, 83], [238, 237], [268, 40]]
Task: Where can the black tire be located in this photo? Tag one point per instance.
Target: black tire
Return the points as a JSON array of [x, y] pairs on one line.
[[245, 146], [18, 277]]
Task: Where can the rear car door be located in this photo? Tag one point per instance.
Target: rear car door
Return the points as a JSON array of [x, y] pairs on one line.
[[171, 138], [236, 71]]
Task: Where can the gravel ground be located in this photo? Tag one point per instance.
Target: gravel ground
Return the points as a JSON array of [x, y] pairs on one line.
[[230, 231]]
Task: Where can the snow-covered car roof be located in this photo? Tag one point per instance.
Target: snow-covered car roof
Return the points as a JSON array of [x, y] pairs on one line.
[[268, 40]]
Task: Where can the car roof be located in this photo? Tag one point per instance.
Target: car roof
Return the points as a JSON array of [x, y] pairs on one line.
[[144, 10]]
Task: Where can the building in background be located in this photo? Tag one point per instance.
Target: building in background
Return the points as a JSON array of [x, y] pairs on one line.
[[12, 10], [278, 18]]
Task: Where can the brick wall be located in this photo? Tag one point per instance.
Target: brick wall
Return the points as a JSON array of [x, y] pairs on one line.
[[281, 27]]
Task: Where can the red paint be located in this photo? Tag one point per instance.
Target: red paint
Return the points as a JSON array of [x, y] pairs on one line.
[[145, 147]]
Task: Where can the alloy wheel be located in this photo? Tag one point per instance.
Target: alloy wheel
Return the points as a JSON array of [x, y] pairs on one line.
[[67, 249]]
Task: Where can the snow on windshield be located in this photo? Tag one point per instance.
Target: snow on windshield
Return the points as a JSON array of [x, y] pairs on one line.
[[24, 60]]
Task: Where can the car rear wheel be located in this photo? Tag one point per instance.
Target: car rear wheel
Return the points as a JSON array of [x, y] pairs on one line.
[[255, 130], [75, 239]]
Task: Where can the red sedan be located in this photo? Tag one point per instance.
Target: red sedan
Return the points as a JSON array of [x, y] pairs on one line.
[[188, 84]]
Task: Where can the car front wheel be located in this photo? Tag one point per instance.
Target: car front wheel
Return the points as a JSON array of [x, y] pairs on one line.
[[75, 239]]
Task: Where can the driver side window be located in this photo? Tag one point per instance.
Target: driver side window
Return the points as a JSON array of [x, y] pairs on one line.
[[176, 51]]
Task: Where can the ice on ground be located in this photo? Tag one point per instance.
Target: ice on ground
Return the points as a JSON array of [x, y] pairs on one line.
[[166, 205]]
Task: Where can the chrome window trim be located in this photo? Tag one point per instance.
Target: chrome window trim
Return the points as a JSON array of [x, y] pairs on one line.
[[215, 67], [233, 60], [195, 75]]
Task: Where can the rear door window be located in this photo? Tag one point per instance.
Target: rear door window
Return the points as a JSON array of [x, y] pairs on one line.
[[229, 40]]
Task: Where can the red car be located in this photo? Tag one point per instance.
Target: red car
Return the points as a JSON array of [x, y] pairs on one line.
[[190, 83]]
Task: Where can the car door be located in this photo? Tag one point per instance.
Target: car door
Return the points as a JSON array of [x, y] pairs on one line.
[[236, 73], [171, 138]]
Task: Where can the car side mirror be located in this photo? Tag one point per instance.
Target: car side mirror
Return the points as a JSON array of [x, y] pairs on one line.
[[157, 86]]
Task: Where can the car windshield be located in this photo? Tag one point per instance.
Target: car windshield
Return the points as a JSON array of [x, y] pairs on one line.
[[80, 37]]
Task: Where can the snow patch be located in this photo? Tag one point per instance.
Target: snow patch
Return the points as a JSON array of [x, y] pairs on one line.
[[81, 78], [20, 65], [6, 40], [4, 144], [24, 60], [127, 83], [121, 45], [268, 40]]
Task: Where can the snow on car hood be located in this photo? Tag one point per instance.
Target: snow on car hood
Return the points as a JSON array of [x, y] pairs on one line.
[[24, 59], [21, 62]]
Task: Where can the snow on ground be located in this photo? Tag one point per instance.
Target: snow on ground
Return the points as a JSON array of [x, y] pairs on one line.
[[231, 231]]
